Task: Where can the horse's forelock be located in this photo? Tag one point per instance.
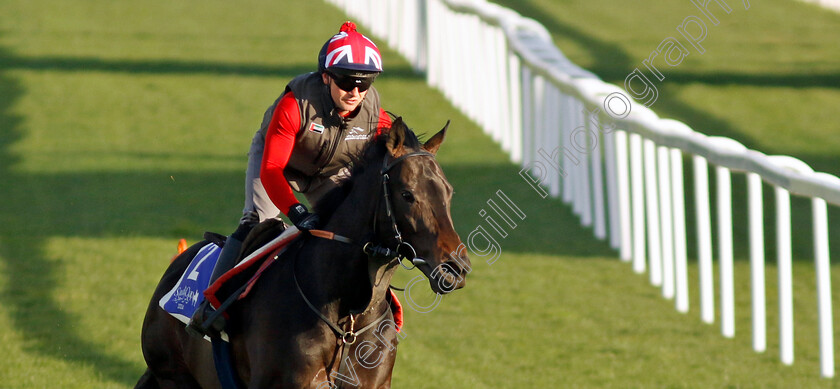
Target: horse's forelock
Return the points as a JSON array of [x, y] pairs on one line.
[[411, 140]]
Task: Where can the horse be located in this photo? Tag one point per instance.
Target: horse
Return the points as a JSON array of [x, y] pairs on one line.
[[319, 316]]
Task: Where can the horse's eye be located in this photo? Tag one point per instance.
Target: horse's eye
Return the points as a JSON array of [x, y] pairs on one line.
[[407, 196]]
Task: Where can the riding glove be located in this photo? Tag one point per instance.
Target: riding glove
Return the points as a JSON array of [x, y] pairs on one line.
[[302, 218]]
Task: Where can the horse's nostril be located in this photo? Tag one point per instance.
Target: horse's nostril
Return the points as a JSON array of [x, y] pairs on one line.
[[449, 279], [455, 268], [454, 272]]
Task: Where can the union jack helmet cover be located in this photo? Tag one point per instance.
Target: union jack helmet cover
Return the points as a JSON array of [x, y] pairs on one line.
[[350, 53]]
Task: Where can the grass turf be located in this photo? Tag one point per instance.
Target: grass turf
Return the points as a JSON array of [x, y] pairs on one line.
[[124, 127]]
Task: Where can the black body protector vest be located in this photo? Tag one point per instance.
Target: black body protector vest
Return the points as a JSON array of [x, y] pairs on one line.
[[326, 141]]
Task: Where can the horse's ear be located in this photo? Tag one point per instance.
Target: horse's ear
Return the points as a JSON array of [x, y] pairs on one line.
[[396, 137], [433, 144]]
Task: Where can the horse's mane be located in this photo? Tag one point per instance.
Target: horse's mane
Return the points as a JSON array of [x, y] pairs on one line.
[[373, 152]]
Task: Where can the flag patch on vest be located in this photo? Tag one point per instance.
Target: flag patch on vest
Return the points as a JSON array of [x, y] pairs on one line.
[[316, 128]]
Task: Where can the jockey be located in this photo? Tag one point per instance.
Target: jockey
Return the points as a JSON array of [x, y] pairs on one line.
[[306, 141]]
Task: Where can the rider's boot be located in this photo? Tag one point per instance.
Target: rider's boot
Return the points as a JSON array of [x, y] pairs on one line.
[[199, 324]]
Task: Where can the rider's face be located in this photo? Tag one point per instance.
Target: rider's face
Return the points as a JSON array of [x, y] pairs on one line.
[[344, 101]]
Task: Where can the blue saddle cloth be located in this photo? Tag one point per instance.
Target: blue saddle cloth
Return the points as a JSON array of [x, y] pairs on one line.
[[188, 292]]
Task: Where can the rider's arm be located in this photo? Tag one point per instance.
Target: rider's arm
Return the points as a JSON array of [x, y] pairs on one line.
[[279, 142], [384, 122]]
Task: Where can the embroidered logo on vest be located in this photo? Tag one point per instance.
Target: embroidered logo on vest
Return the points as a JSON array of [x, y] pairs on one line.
[[357, 133]]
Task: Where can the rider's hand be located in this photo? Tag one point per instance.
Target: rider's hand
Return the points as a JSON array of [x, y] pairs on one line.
[[302, 219]]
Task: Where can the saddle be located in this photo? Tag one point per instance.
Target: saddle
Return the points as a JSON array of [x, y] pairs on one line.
[[265, 238], [261, 234], [194, 284]]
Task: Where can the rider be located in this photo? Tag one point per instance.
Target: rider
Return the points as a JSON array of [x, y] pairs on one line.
[[307, 139]]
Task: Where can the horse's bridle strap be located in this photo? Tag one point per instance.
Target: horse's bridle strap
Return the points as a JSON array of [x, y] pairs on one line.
[[331, 236], [390, 165], [368, 248], [349, 337], [338, 331]]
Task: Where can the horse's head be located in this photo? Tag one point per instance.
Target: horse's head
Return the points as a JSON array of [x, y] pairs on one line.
[[418, 200]]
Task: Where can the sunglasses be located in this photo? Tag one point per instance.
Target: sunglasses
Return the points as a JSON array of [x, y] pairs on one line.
[[347, 83]]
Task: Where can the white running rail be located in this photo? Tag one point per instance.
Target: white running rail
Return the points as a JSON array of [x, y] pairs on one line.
[[615, 162]]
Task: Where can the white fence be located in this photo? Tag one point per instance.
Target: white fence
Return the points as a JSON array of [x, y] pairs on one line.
[[617, 163]]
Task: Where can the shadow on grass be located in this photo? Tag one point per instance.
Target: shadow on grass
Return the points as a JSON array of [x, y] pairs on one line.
[[602, 51], [35, 208], [42, 207], [139, 66], [549, 227], [613, 64], [38, 207], [792, 80], [152, 204], [552, 228], [31, 281]]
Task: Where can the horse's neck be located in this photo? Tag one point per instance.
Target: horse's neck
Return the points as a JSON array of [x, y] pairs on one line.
[[345, 276], [354, 216]]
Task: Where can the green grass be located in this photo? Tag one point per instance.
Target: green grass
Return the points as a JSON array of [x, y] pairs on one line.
[[124, 127], [768, 78]]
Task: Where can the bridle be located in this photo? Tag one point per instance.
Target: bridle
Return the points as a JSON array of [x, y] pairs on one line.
[[402, 245], [402, 251]]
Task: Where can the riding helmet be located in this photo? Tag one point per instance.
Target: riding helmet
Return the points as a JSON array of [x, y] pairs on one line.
[[349, 53]]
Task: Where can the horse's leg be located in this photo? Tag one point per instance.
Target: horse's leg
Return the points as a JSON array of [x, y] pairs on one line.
[[388, 369], [164, 352], [378, 376], [376, 366], [272, 363]]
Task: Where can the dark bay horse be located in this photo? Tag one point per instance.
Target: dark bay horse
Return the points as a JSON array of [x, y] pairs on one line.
[[319, 316]]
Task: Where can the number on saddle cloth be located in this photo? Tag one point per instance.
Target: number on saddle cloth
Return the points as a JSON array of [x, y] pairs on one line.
[[187, 294]]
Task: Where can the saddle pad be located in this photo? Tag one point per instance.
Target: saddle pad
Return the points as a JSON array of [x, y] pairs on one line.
[[187, 294]]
